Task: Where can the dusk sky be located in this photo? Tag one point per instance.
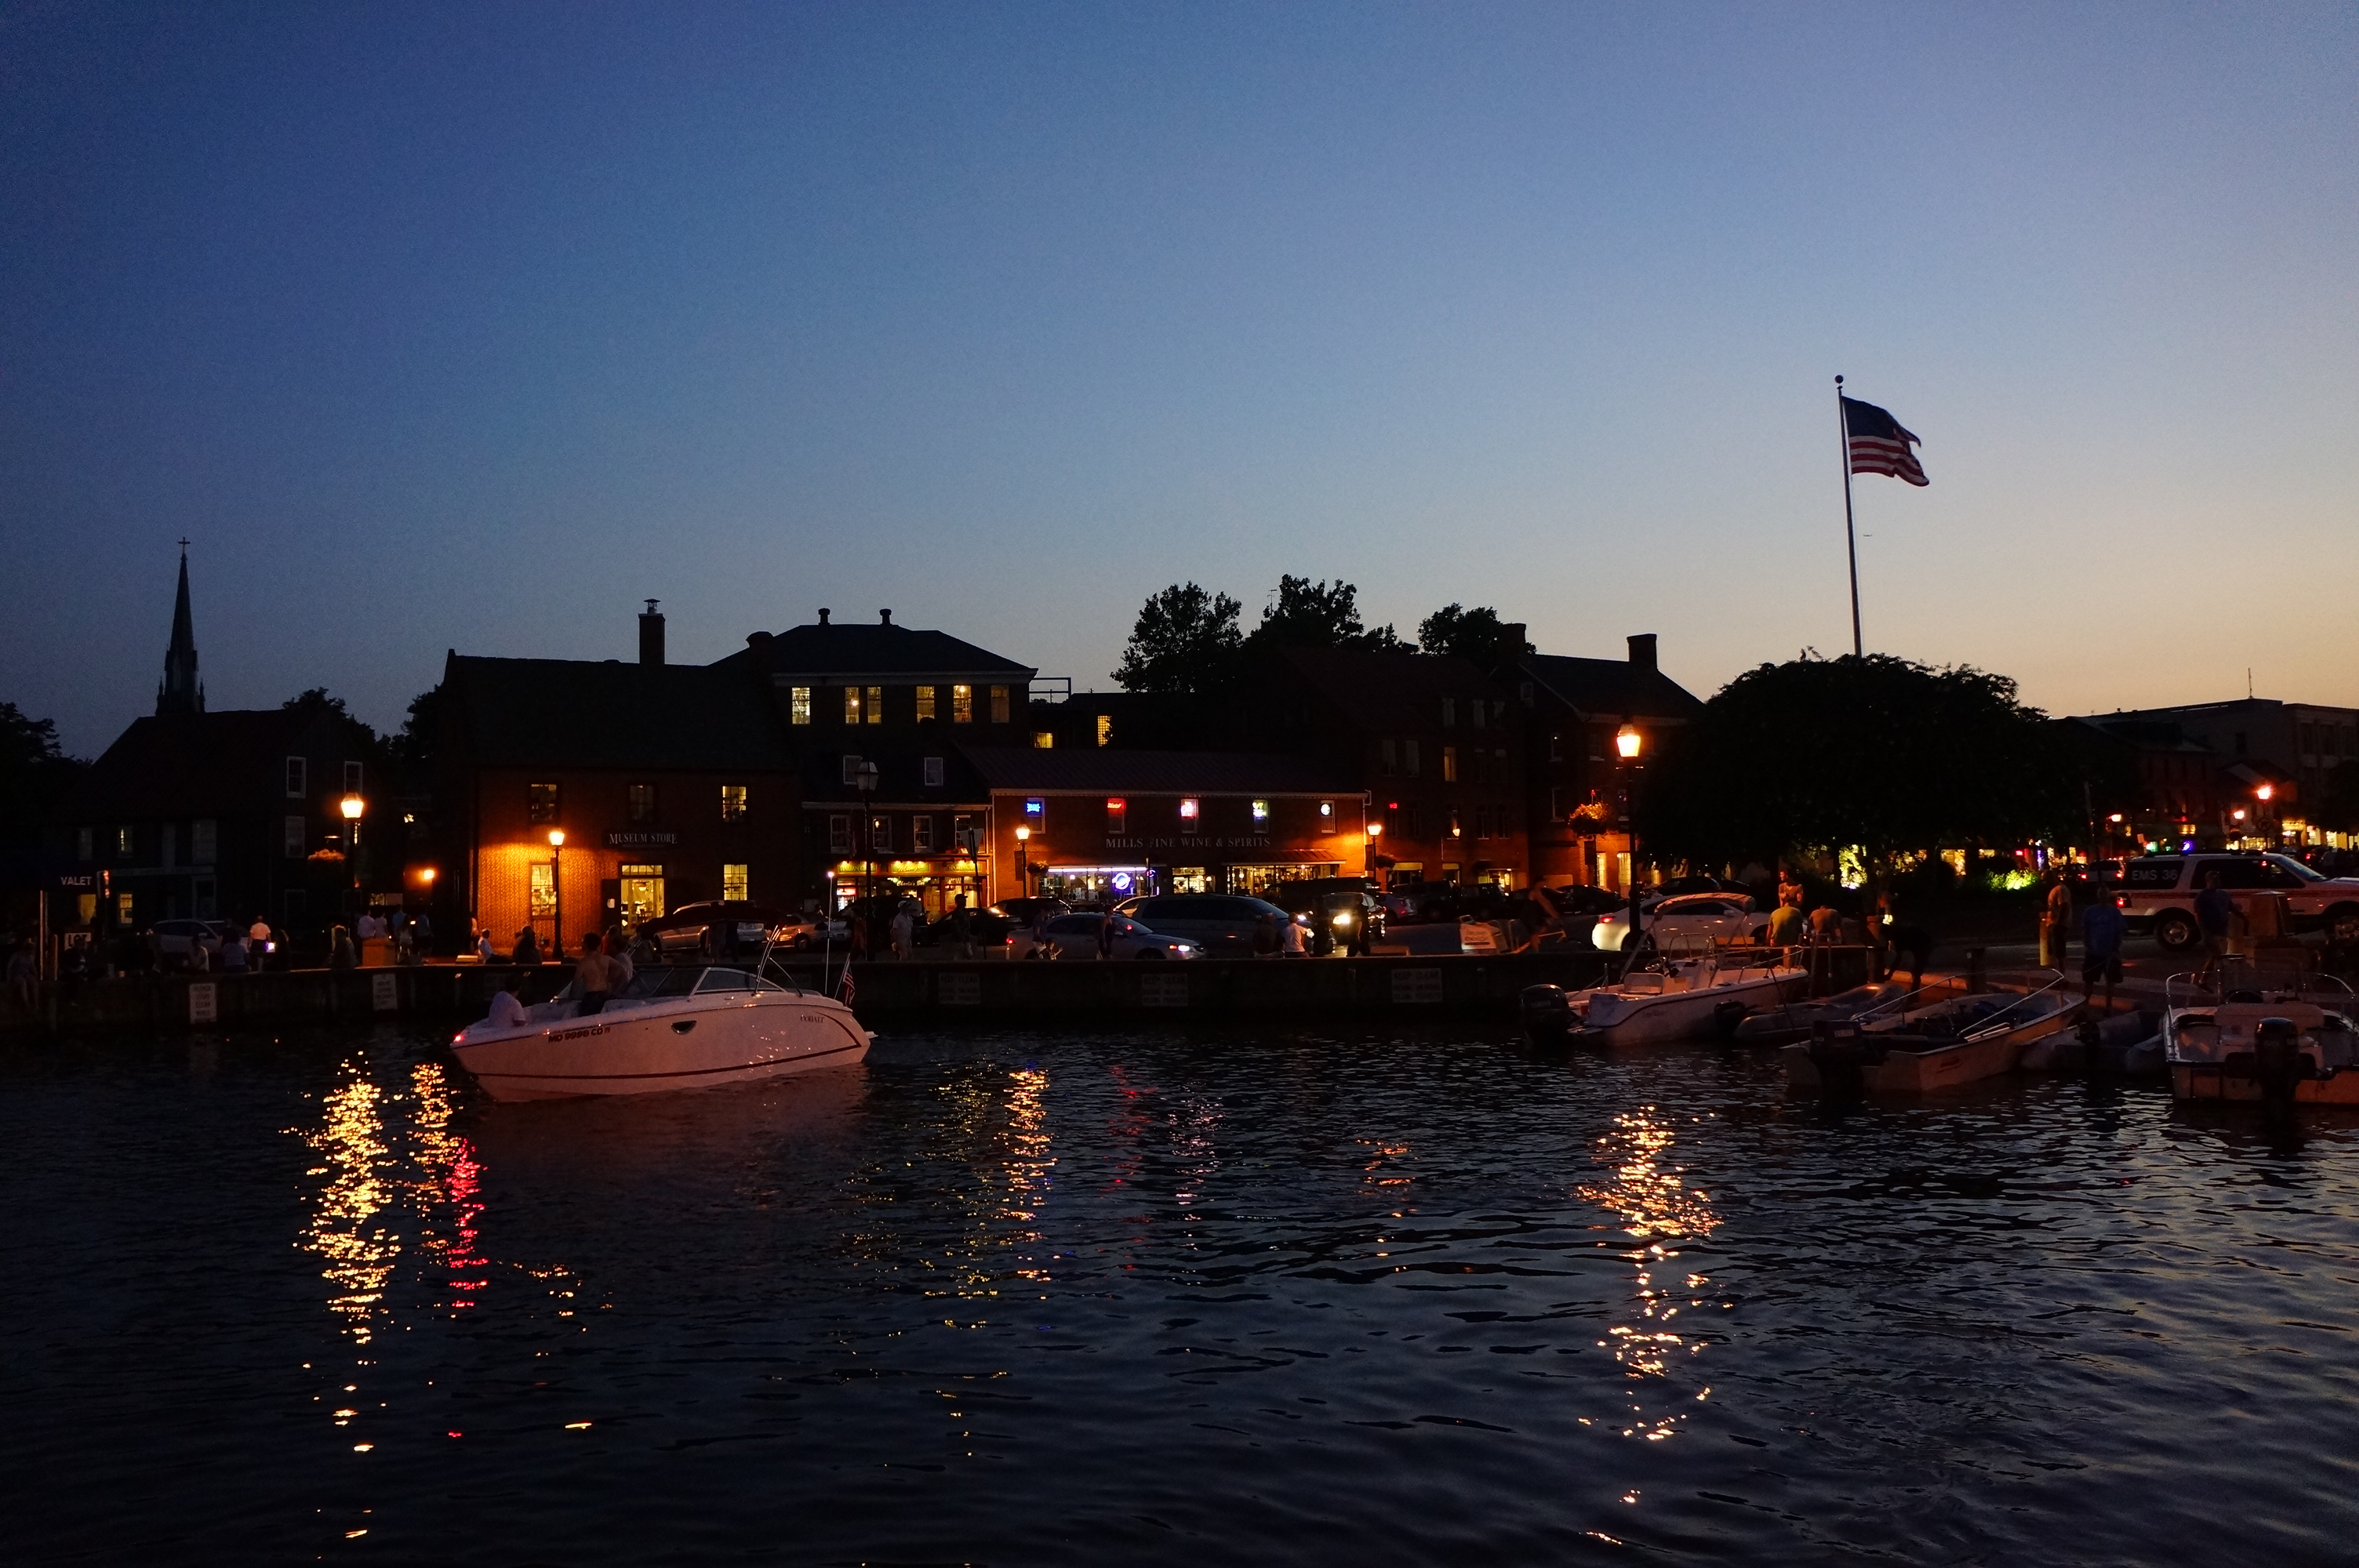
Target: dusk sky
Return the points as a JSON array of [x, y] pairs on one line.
[[473, 327]]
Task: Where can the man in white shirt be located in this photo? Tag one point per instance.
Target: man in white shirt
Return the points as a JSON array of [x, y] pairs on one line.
[[507, 1013]]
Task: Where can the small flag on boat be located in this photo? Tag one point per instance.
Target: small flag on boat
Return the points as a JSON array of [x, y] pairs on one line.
[[845, 987], [1878, 444]]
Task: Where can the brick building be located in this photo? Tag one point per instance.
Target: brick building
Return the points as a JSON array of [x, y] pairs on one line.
[[1572, 710]]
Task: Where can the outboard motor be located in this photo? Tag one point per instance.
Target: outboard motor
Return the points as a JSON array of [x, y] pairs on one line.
[[1725, 1018], [1835, 1053], [1547, 1018], [2277, 1061]]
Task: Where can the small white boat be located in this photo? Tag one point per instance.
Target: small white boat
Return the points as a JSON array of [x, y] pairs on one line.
[[1682, 999], [1962, 1041], [2287, 1038], [676, 1027]]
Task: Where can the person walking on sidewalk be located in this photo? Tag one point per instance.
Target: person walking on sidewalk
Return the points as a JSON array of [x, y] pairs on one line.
[[2215, 916], [2102, 927], [2056, 926]]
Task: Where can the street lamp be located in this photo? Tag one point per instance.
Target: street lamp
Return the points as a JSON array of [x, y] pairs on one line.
[[351, 805], [1023, 872], [865, 775], [557, 890], [1628, 744]]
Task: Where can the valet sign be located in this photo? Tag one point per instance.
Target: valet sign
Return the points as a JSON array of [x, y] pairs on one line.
[[639, 841]]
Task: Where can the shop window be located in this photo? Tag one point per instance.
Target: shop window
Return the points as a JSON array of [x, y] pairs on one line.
[[351, 778], [732, 802], [540, 803], [1261, 813], [297, 771], [83, 847], [204, 841], [851, 705], [880, 835], [1191, 814], [1105, 729], [925, 703], [799, 705], [999, 705], [875, 704], [1044, 740], [639, 802], [933, 772], [543, 891], [1449, 764], [962, 705], [1448, 712], [921, 833], [839, 835], [1117, 815], [733, 882], [293, 837]]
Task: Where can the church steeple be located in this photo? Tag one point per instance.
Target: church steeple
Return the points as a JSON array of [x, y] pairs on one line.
[[181, 691]]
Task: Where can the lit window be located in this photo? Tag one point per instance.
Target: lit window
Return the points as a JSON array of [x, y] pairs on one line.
[[933, 772], [295, 768], [1189, 816], [123, 843], [925, 703], [921, 833], [1105, 729], [1260, 812], [732, 883], [540, 803], [999, 705], [732, 802], [543, 894], [1455, 830], [640, 801], [1044, 740], [1117, 814], [962, 705], [875, 704], [1449, 764], [965, 835], [880, 835], [839, 835], [799, 708], [851, 705], [1036, 808]]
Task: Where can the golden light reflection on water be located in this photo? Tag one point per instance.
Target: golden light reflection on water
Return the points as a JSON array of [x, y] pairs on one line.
[[999, 1130], [357, 1248], [1658, 1208]]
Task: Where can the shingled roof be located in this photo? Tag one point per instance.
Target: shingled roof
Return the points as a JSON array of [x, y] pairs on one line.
[[584, 714], [875, 648]]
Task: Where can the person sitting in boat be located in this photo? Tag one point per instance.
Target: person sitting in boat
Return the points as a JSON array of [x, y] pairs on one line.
[[596, 974], [507, 1008]]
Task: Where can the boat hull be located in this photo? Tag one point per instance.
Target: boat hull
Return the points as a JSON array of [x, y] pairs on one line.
[[1944, 1066], [653, 1051], [2213, 1081], [1668, 1017]]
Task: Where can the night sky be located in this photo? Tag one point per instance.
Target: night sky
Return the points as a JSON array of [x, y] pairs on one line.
[[474, 326]]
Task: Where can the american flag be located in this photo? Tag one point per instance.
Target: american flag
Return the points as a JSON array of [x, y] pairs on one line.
[[1878, 444], [845, 988]]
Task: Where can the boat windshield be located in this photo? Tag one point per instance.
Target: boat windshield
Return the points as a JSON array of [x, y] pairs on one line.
[[733, 980], [661, 980]]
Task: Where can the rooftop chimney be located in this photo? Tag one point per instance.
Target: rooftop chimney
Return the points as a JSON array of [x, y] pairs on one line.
[[823, 615], [651, 636], [885, 618], [1642, 651], [760, 643]]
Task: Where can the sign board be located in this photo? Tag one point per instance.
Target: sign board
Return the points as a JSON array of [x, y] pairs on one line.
[[639, 841], [1163, 991], [1416, 987], [204, 1001], [384, 994], [954, 990]]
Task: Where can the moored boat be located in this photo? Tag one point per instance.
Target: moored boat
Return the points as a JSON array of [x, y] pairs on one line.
[[2290, 1039], [1791, 1021], [684, 1026], [1681, 998], [1962, 1041]]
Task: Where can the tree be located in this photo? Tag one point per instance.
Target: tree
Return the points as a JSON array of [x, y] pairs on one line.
[[35, 774], [412, 748], [1878, 752], [1185, 640], [1306, 615], [316, 701], [1477, 635]]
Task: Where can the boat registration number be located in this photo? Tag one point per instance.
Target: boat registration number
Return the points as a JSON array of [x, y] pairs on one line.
[[582, 1033]]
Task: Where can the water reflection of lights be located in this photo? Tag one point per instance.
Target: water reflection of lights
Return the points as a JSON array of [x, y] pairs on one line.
[[1657, 1206], [356, 1252], [999, 1131]]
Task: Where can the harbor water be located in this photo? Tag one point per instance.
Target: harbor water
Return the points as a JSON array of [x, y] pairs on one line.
[[1162, 1295]]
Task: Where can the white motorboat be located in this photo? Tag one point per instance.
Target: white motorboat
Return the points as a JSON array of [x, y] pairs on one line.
[[676, 1027], [1961, 1041], [2286, 1038], [1682, 999]]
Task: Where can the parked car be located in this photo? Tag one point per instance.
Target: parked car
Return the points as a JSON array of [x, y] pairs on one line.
[[1220, 925], [2157, 893], [717, 929], [1690, 920], [1348, 919], [1079, 935], [173, 938], [1678, 885], [990, 928]]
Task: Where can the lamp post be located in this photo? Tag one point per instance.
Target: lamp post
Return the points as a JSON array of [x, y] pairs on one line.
[[865, 776], [1628, 744], [351, 805], [557, 890], [1023, 872], [1375, 832]]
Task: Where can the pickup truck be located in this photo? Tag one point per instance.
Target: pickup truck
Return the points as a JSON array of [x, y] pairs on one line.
[[2157, 893]]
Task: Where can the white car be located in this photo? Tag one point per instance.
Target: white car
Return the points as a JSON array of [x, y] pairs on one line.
[[1076, 937], [1691, 921]]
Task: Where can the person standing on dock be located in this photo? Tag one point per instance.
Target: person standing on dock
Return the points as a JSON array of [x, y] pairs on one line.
[[904, 933], [2056, 926], [2215, 915], [2102, 927]]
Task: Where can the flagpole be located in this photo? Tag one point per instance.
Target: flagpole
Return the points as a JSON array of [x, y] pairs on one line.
[[1851, 535]]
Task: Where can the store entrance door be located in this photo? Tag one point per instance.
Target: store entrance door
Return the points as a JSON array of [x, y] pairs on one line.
[[642, 894]]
